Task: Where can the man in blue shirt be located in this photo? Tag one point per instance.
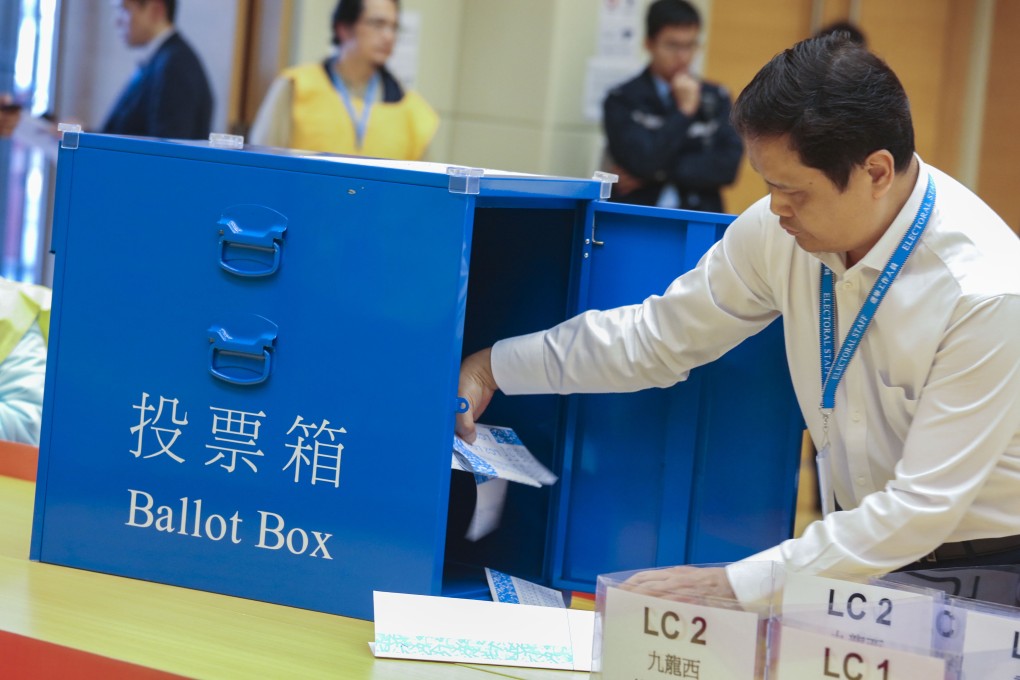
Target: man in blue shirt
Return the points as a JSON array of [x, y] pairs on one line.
[[169, 95]]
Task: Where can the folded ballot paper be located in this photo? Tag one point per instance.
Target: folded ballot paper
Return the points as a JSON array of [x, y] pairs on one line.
[[499, 453], [495, 458], [514, 590]]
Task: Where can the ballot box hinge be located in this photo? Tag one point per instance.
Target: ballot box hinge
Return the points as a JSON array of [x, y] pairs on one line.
[[607, 179], [69, 134], [464, 180]]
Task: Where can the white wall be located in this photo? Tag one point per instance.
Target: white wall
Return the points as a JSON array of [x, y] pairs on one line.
[[311, 30]]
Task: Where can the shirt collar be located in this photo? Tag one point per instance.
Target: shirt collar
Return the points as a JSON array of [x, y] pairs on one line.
[[149, 49], [879, 255], [663, 89]]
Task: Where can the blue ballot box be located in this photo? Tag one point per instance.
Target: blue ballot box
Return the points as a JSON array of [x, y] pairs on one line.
[[253, 368]]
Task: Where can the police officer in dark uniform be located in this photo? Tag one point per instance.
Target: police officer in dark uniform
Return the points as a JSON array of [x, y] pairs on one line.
[[669, 134]]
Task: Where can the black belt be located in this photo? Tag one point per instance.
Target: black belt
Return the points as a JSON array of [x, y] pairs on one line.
[[976, 548]]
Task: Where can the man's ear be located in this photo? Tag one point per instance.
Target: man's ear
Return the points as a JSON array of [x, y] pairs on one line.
[[344, 33], [157, 11], [881, 168]]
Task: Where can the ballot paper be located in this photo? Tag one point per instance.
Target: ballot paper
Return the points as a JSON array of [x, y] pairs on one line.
[[513, 590], [490, 497], [497, 457], [498, 452], [473, 631], [489, 501]]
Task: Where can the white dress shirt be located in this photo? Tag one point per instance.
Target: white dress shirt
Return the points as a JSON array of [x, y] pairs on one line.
[[925, 435]]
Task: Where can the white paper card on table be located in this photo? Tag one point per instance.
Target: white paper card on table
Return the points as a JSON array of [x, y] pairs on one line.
[[862, 612], [474, 631], [498, 452], [513, 590], [648, 637], [807, 655]]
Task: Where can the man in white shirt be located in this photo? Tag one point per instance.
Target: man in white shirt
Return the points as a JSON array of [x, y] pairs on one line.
[[893, 279]]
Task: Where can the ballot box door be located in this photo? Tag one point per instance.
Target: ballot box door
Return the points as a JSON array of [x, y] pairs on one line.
[[252, 378], [702, 472]]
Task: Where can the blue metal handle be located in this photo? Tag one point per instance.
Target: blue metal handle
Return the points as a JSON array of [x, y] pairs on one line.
[[238, 378], [267, 270], [250, 237], [240, 350]]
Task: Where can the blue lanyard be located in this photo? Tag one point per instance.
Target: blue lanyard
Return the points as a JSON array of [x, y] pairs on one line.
[[833, 367], [360, 124]]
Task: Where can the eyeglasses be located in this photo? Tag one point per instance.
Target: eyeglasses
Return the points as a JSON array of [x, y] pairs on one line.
[[379, 24], [671, 46]]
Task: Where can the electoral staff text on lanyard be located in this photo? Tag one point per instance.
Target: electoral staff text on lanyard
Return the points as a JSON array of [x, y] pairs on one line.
[[360, 122], [833, 366]]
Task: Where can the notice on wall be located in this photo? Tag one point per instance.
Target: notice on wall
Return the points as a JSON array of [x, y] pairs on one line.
[[618, 54], [601, 75], [619, 28]]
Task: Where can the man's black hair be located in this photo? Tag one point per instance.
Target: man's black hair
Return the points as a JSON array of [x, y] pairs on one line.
[[347, 12], [837, 102], [853, 32], [664, 13], [171, 8]]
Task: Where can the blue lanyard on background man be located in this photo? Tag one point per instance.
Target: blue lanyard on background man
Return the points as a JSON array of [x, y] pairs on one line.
[[833, 367], [360, 123]]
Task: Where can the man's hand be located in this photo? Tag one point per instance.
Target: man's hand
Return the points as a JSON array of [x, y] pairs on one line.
[[686, 92], [477, 386], [626, 182], [681, 583]]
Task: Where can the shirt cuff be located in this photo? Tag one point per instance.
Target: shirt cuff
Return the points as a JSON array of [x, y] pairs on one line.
[[752, 578], [518, 365]]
